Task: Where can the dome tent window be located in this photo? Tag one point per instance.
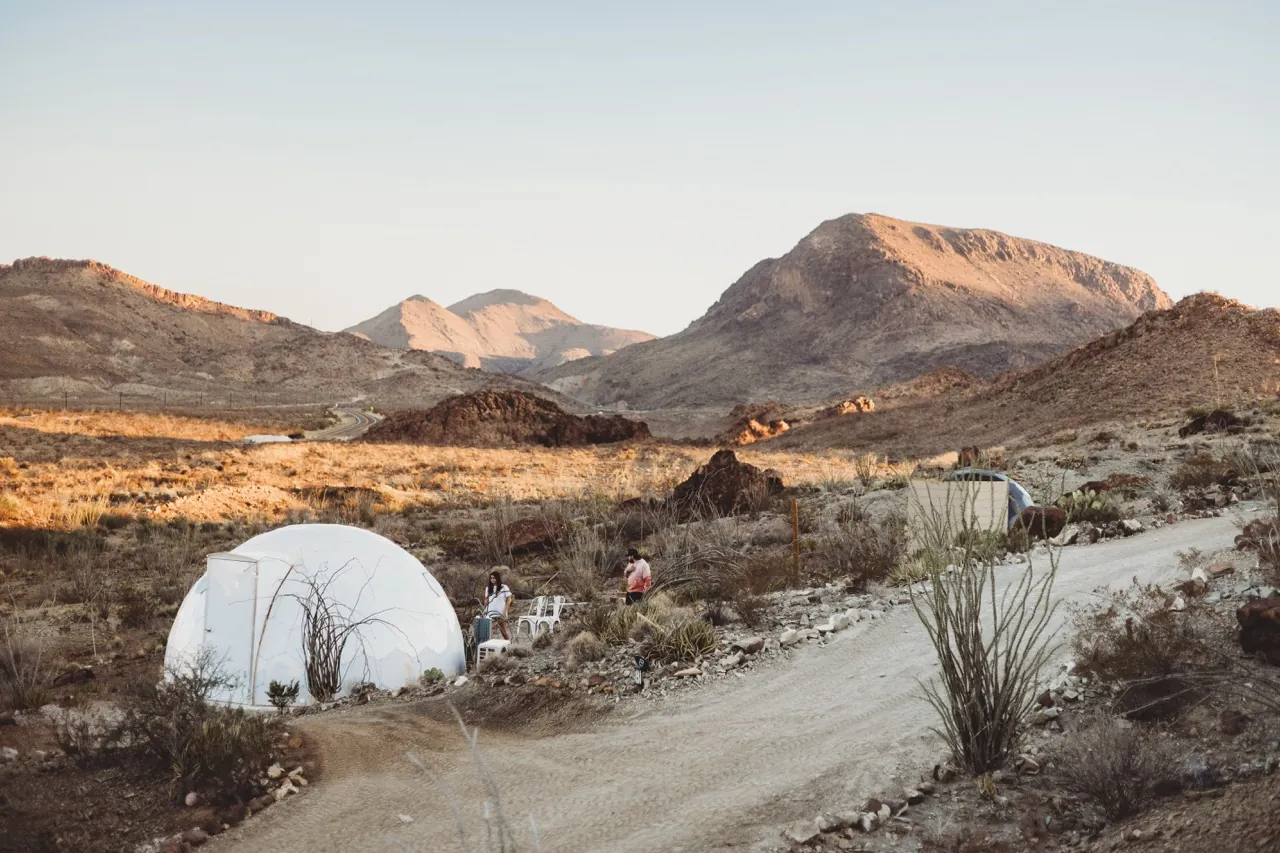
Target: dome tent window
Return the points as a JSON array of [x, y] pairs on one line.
[[326, 605]]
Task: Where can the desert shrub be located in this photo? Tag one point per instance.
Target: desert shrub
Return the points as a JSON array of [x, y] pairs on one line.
[[1093, 507], [749, 607], [1115, 766], [115, 520], [862, 552], [10, 507], [1164, 500], [431, 676], [543, 640], [83, 735], [282, 694], [585, 647], [24, 673], [991, 643], [495, 532], [1203, 471], [138, 608], [209, 748], [681, 639], [1133, 639], [499, 663]]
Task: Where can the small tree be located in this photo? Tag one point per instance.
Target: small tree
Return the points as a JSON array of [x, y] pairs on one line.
[[283, 695], [991, 641]]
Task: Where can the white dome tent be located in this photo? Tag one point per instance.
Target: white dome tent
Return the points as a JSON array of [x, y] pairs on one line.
[[251, 607]]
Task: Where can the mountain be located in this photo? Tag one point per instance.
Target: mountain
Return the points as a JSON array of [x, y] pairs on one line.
[[864, 301], [86, 329], [1203, 353], [504, 330]]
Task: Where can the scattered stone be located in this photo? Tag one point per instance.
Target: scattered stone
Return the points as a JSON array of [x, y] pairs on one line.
[[8, 754], [914, 797], [944, 773], [1069, 536], [1045, 716], [733, 661], [275, 771], [195, 837], [1217, 570], [830, 823], [405, 819], [749, 645], [461, 680], [1233, 722], [75, 675], [789, 637], [803, 832], [1130, 526], [1042, 522], [192, 799], [691, 672], [8, 719]]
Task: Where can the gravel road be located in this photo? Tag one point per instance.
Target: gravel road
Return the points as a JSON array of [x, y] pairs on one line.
[[713, 769]]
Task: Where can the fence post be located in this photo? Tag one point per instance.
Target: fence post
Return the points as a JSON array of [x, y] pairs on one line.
[[795, 539]]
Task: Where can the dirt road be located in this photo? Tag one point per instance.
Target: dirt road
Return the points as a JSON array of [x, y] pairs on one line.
[[715, 769]]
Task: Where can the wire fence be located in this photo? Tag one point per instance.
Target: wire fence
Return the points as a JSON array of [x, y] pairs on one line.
[[160, 401]]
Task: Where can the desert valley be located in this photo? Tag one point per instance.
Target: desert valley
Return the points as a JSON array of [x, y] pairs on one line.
[[812, 676]]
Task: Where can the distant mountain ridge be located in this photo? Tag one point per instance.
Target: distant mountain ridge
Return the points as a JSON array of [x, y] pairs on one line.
[[865, 301], [503, 330], [85, 328]]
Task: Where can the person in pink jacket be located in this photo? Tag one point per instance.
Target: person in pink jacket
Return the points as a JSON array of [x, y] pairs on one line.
[[638, 576]]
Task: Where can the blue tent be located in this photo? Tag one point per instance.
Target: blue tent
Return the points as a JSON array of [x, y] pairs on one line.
[[1019, 498]]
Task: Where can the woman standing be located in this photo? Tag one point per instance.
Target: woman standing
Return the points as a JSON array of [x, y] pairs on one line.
[[497, 596]]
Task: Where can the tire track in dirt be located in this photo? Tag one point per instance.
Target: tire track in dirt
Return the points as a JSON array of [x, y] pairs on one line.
[[713, 769]]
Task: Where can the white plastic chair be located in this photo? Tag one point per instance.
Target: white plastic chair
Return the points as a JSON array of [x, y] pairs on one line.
[[549, 619], [537, 610]]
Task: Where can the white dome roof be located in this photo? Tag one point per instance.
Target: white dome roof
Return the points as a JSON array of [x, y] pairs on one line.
[[248, 607]]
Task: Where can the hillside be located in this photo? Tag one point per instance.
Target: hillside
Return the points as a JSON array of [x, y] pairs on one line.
[[864, 301], [84, 328], [1204, 352], [503, 330]]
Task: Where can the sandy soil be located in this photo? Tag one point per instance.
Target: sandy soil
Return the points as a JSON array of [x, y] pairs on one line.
[[715, 770]]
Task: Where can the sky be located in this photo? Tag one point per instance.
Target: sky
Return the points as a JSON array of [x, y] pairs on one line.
[[627, 161]]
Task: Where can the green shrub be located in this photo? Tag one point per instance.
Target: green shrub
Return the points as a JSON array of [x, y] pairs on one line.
[[283, 695], [431, 676], [208, 748], [1093, 507], [1203, 471], [684, 639]]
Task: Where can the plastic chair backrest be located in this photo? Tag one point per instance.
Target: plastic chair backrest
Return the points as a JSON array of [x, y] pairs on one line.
[[538, 607], [557, 605]]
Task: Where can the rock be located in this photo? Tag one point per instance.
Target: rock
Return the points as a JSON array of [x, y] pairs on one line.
[[1045, 716], [527, 536], [748, 645], [803, 832], [724, 486], [789, 637], [853, 615], [1233, 722], [1028, 766], [596, 680], [839, 621], [1260, 628], [1069, 536], [460, 680], [8, 719], [1215, 421], [826, 628], [405, 819], [284, 790], [1178, 604], [944, 773], [8, 754], [192, 799], [275, 771], [733, 661], [872, 805], [1042, 522], [1217, 570], [399, 691], [691, 672], [1193, 588], [260, 803], [195, 837], [913, 797], [830, 823], [1130, 526]]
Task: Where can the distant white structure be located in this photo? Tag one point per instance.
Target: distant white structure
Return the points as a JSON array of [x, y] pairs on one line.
[[265, 439], [248, 608]]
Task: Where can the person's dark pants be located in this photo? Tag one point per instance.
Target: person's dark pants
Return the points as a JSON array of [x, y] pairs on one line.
[[635, 597]]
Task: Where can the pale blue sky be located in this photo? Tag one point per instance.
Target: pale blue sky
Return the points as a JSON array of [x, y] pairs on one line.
[[627, 161]]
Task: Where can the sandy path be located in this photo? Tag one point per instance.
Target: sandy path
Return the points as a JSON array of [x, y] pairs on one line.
[[715, 769]]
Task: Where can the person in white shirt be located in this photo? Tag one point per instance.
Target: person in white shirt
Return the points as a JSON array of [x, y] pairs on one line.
[[639, 577], [497, 596]]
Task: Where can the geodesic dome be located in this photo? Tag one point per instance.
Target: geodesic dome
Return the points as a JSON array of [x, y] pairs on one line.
[[249, 609]]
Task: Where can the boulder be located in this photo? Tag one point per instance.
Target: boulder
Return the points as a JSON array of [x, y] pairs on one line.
[[790, 637], [803, 832], [75, 675], [195, 837], [1130, 526], [526, 536], [725, 486], [748, 645], [1215, 421], [1043, 522], [1260, 628]]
